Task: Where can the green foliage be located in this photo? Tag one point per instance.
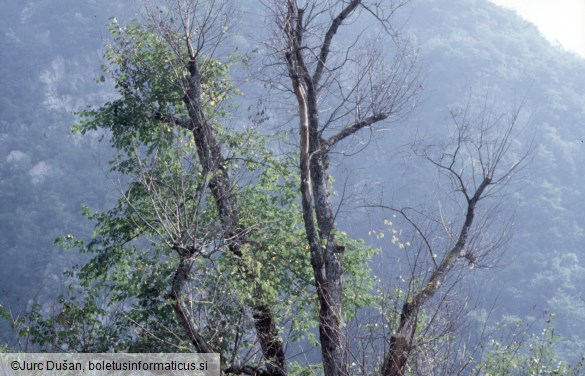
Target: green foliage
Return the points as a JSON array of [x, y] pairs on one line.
[[527, 354], [4, 313], [297, 369], [149, 75], [72, 326], [359, 282]]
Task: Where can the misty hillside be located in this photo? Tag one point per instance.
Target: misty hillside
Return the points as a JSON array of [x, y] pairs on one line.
[[51, 54], [476, 51], [493, 50], [50, 59]]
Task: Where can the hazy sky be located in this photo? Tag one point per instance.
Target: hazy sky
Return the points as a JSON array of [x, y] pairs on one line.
[[562, 21]]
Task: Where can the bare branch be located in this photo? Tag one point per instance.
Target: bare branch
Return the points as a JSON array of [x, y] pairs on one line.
[[479, 140], [353, 128], [326, 45]]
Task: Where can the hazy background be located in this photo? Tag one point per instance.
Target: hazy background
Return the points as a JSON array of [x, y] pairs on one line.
[[560, 21], [51, 52]]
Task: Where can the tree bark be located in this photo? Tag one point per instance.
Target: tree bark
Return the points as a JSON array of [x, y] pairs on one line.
[[401, 342], [326, 253], [185, 318], [213, 165], [315, 191]]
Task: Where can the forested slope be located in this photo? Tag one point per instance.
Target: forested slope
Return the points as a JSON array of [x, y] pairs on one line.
[[506, 56], [475, 51], [50, 59], [51, 52]]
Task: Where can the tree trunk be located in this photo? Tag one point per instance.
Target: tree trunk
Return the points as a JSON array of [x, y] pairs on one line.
[[325, 254], [401, 342], [213, 165]]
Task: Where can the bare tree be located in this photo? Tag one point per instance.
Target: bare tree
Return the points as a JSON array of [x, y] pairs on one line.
[[340, 89], [478, 163]]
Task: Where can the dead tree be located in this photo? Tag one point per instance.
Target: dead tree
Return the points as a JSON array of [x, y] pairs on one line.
[[478, 163], [340, 89]]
